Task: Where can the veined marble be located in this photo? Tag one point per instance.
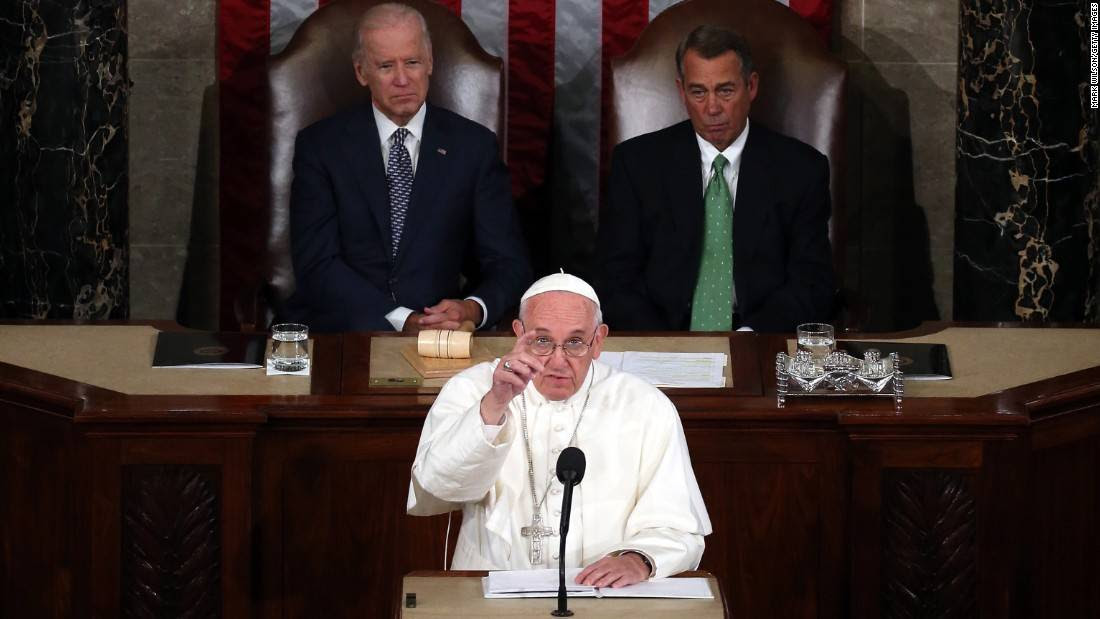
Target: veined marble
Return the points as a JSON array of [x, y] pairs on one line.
[[63, 151], [1027, 215]]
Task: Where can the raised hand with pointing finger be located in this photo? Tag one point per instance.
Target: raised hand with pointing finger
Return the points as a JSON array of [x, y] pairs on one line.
[[510, 378]]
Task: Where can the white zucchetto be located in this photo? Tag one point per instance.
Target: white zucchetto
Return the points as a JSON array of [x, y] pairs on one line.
[[562, 282]]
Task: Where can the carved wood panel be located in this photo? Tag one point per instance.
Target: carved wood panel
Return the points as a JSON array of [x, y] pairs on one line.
[[347, 540], [929, 546], [777, 537], [171, 541]]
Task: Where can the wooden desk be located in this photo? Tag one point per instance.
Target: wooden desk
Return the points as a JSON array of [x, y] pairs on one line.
[[458, 595], [283, 505]]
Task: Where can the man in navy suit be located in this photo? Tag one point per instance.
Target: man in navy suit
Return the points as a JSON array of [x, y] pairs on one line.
[[399, 208], [672, 255]]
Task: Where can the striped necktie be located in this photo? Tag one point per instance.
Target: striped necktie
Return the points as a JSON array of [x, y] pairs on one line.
[[712, 304]]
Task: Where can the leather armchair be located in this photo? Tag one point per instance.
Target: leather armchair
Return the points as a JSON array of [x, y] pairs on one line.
[[313, 78], [801, 91]]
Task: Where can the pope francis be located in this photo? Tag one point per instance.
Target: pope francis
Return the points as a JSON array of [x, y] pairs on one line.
[[491, 440]]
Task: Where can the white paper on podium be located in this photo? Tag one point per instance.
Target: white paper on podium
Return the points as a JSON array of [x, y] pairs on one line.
[[544, 583], [671, 369], [533, 583]]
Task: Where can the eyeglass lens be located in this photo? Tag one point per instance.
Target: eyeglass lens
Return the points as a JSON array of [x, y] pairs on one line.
[[545, 346]]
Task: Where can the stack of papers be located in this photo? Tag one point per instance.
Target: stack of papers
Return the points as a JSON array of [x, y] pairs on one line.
[[544, 584], [671, 369]]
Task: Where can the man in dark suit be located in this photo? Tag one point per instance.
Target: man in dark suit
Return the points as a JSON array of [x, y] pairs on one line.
[[712, 224], [392, 201]]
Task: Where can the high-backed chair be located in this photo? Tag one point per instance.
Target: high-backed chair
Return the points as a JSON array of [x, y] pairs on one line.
[[313, 78], [801, 91]]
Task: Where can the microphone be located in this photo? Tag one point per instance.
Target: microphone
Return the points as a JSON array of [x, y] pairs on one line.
[[571, 466], [570, 472]]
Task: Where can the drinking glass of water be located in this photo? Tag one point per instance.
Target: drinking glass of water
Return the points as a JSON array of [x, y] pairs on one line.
[[816, 338], [289, 347]]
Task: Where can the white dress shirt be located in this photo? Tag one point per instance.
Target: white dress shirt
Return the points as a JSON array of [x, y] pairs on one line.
[[415, 126], [732, 153], [386, 127]]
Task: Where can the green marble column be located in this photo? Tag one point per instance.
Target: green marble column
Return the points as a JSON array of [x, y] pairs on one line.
[[63, 153]]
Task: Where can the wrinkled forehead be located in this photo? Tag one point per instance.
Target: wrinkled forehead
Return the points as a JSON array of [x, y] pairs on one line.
[[725, 67], [393, 28], [559, 311]]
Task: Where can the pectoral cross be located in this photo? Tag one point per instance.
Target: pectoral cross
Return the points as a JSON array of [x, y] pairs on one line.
[[536, 532]]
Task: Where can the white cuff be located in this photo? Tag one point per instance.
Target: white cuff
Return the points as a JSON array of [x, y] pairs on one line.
[[745, 329], [484, 312], [398, 316], [491, 432]]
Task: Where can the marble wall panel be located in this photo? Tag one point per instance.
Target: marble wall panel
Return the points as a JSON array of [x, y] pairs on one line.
[[165, 112], [897, 276], [162, 29], [1028, 171], [900, 177], [172, 62], [930, 88], [63, 99], [907, 31], [167, 262], [848, 29]]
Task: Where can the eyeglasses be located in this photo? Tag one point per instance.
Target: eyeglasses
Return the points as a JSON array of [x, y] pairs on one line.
[[573, 347]]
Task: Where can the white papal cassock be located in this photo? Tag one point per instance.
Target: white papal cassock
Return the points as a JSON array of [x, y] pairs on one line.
[[639, 491]]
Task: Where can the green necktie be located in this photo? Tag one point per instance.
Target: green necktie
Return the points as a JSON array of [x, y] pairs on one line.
[[712, 305]]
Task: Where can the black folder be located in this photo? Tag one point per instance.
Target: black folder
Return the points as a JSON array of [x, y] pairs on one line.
[[199, 349], [916, 361]]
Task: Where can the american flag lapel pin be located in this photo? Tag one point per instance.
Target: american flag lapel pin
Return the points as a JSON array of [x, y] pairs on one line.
[[441, 151]]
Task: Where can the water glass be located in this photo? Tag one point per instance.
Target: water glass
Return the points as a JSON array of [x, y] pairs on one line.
[[289, 347], [816, 338]]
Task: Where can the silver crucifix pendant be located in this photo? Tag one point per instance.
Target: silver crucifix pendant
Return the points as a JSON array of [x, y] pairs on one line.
[[536, 532]]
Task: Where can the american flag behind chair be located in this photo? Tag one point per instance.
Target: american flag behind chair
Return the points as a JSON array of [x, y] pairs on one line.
[[556, 54]]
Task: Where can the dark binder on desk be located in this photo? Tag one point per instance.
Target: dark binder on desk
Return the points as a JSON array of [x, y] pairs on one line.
[[917, 361], [197, 349]]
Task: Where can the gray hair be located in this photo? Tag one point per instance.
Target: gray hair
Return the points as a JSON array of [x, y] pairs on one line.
[[713, 41], [599, 312], [386, 15]]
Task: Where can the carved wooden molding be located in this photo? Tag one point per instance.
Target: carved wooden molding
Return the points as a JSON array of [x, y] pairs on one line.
[[171, 542], [929, 546]]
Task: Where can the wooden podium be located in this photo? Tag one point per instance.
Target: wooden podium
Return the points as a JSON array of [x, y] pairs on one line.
[[458, 595]]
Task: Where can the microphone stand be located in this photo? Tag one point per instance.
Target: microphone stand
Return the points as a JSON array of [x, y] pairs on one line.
[[566, 508]]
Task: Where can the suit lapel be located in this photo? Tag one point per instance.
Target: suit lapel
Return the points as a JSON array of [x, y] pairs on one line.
[[430, 177], [364, 153], [752, 204], [685, 189]]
